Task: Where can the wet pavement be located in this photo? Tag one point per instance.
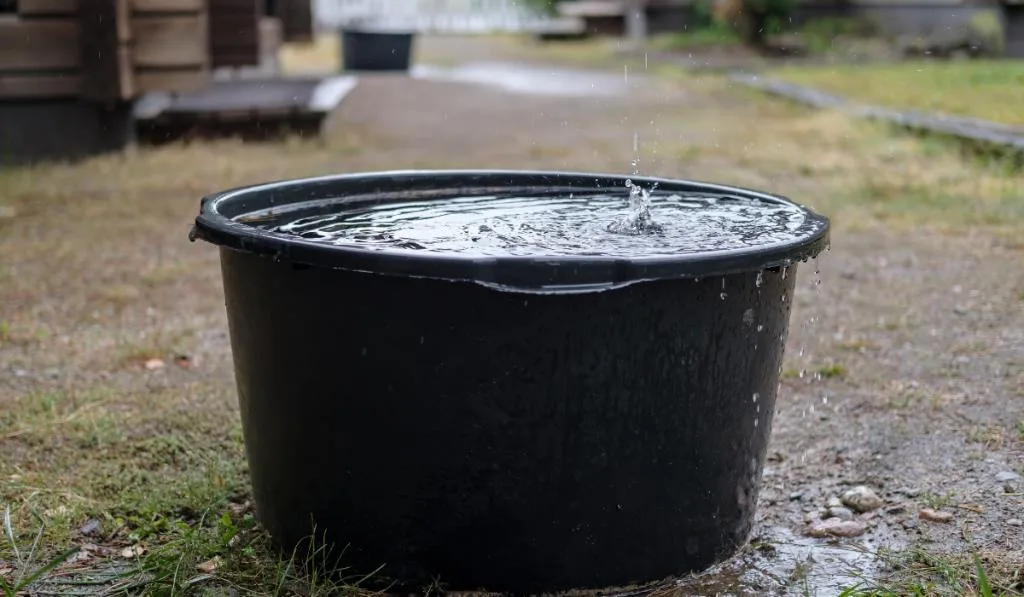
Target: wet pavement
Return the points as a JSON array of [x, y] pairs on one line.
[[533, 80]]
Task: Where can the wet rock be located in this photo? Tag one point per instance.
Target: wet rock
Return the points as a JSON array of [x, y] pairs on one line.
[[91, 527], [935, 515], [1007, 476], [840, 512], [862, 499], [834, 527]]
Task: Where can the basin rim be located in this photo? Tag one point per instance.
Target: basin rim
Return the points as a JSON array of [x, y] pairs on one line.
[[217, 223]]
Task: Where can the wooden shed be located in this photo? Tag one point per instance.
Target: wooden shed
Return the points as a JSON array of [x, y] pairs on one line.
[[81, 63]]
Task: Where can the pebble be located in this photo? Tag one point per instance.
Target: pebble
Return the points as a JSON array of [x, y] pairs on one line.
[[796, 495], [910, 492], [834, 502], [833, 527], [1007, 476], [935, 515], [862, 499], [1015, 522], [839, 512]]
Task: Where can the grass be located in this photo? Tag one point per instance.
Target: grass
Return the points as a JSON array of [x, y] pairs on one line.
[[821, 35], [926, 572], [98, 276], [702, 37], [991, 90]]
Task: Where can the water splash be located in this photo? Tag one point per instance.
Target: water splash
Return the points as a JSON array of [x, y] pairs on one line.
[[638, 220]]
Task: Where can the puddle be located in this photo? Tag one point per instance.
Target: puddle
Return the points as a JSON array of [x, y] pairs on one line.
[[518, 78], [785, 564]]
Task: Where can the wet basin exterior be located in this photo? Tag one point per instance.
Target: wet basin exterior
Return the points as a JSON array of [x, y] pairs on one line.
[[504, 433]]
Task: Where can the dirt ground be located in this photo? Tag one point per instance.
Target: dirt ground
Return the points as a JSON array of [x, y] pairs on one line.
[[905, 366]]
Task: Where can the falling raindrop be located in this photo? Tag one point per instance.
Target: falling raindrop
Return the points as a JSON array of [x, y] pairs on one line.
[[759, 280]]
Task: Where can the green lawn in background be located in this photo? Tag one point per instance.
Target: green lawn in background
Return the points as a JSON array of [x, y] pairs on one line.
[[991, 89]]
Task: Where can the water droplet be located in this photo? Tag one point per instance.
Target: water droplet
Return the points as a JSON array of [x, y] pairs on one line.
[[785, 272], [760, 327], [759, 280], [756, 422], [756, 396], [824, 399], [722, 295]]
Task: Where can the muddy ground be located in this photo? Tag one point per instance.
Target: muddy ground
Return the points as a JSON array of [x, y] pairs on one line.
[[904, 370]]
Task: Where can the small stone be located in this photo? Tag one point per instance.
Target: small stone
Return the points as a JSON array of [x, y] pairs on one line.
[[962, 360], [862, 499], [833, 527], [153, 364], [795, 496], [1009, 488], [834, 502], [909, 524], [209, 566], [897, 509], [910, 492], [91, 527], [960, 310], [840, 512], [935, 515], [133, 551], [1015, 522], [1007, 476]]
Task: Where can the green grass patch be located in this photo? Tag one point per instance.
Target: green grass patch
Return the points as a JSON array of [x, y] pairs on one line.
[[991, 90], [698, 37], [926, 572]]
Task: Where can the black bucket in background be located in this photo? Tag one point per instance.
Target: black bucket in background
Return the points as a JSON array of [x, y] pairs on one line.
[[514, 424], [367, 50]]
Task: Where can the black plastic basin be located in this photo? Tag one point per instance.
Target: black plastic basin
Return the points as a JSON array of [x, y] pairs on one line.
[[515, 424], [367, 50]]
